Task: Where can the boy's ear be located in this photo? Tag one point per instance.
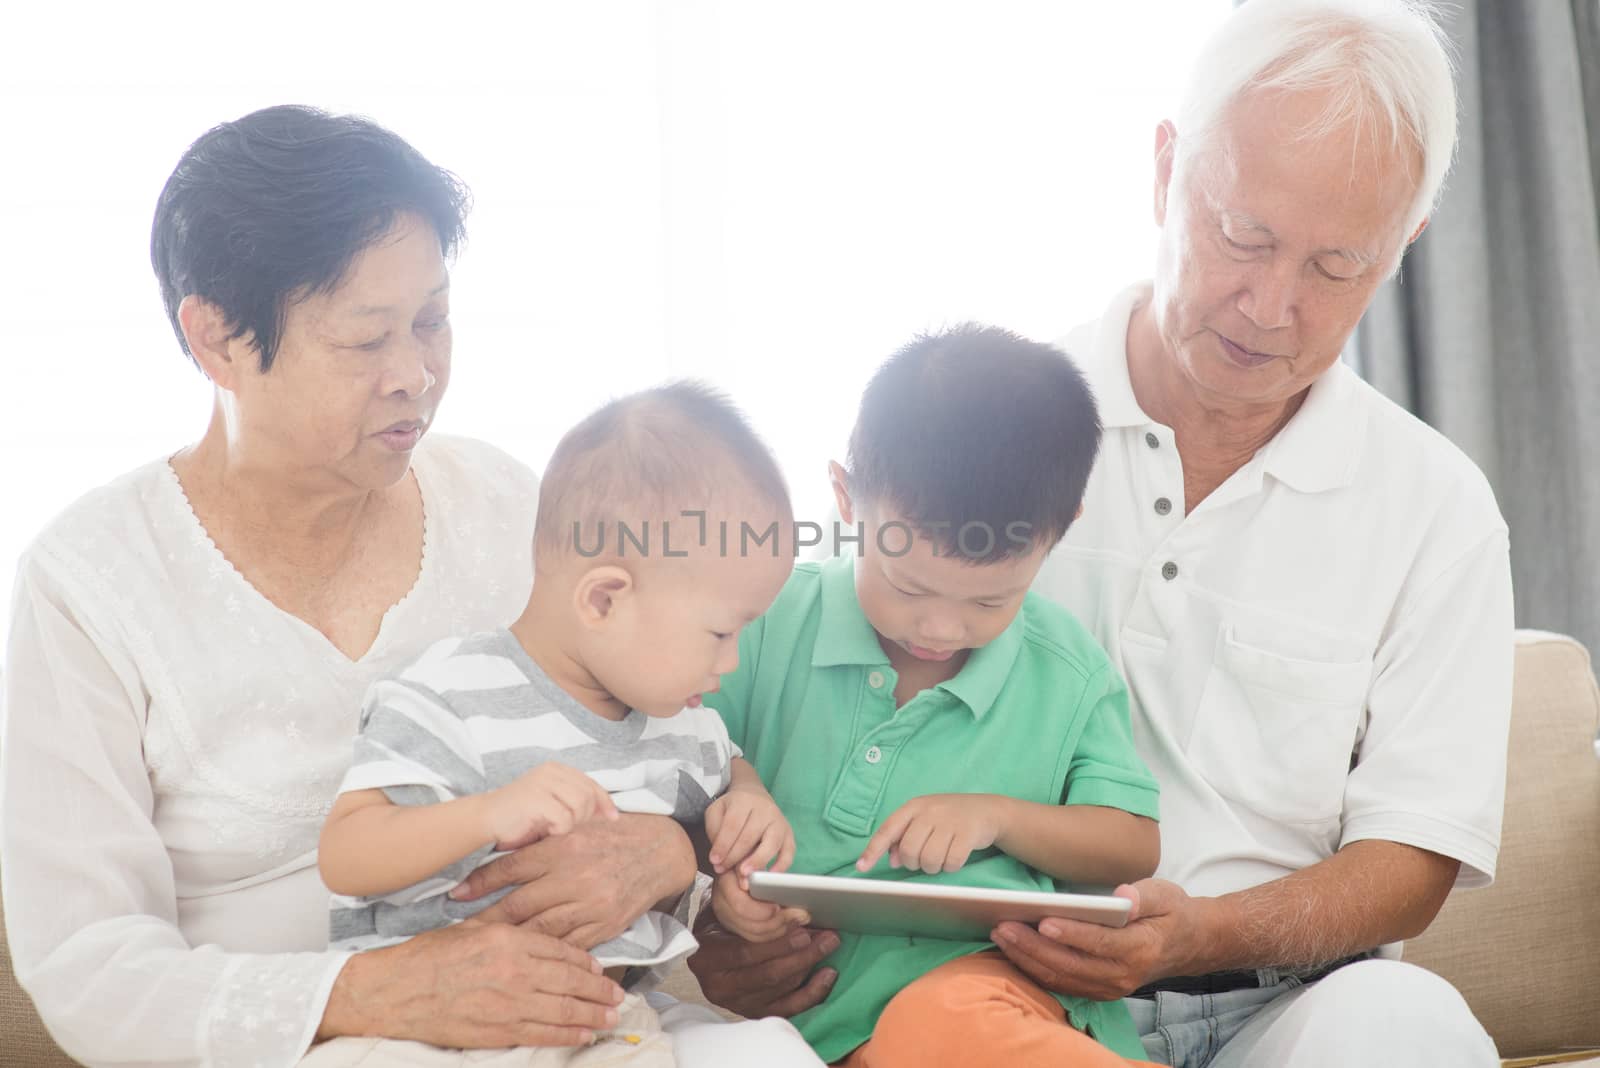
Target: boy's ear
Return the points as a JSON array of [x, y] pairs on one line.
[[840, 480], [598, 593]]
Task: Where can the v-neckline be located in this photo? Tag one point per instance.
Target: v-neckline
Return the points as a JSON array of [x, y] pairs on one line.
[[207, 545]]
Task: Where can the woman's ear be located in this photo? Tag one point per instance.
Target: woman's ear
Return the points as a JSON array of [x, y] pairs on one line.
[[840, 481], [598, 594], [207, 332]]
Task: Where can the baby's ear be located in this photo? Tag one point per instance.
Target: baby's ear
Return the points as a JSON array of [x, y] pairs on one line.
[[598, 593]]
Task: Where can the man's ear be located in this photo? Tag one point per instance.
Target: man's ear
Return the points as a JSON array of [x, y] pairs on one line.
[[206, 330], [840, 481], [1166, 148], [599, 592]]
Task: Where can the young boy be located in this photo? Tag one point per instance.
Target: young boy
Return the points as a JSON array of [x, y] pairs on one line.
[[919, 715], [475, 748]]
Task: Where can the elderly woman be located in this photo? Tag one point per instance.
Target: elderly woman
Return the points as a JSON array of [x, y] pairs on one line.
[[190, 645]]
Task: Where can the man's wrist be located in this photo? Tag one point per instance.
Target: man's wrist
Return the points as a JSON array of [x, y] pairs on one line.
[[1205, 940]]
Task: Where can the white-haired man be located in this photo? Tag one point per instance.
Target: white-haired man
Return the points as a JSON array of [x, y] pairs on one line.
[[1308, 590]]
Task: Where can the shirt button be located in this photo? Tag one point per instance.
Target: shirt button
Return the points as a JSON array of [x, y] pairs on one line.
[[1152, 441], [875, 680], [874, 754], [1163, 506], [1169, 570]]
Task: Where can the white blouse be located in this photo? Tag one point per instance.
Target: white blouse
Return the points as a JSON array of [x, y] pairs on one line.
[[172, 742]]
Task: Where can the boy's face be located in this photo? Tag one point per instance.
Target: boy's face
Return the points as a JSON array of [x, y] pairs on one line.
[[931, 605], [676, 631]]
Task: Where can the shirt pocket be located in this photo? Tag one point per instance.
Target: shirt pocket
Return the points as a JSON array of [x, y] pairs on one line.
[[1275, 733]]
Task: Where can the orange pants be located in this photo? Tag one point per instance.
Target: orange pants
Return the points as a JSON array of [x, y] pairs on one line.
[[978, 1010]]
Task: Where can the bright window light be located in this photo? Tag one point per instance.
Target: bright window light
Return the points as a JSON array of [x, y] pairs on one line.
[[772, 197]]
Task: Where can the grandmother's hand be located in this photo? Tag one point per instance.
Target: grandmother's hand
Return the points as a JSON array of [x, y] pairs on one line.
[[586, 887], [473, 986]]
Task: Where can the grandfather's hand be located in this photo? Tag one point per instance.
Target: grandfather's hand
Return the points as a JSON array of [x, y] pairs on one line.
[[473, 986], [586, 887], [1106, 963], [778, 978]]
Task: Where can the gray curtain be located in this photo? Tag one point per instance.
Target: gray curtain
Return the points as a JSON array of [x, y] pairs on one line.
[[1491, 332]]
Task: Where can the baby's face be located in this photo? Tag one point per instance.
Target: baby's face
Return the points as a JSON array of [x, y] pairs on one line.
[[680, 631]]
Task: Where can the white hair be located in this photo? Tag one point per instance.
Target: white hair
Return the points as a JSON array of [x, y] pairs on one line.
[[1378, 59]]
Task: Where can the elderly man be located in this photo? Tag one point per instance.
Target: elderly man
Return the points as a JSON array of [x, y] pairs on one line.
[[1306, 588]]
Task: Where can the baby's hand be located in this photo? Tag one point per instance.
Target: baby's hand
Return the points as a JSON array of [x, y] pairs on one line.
[[549, 800], [751, 920], [748, 833], [934, 833]]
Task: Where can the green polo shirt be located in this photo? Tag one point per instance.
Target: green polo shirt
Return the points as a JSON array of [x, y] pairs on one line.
[[1038, 714]]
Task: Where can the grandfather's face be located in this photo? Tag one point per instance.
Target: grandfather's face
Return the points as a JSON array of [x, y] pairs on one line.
[[1272, 247]]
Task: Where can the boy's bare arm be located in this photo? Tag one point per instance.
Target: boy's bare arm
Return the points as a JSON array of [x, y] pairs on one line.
[[1073, 843], [1078, 843], [370, 846]]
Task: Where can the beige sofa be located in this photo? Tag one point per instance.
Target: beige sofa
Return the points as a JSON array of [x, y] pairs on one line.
[[1526, 952]]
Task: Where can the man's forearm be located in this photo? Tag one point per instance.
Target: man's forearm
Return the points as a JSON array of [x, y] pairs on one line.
[[1367, 894]]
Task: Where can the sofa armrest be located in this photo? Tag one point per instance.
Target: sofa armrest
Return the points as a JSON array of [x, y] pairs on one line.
[[1524, 951], [23, 1039]]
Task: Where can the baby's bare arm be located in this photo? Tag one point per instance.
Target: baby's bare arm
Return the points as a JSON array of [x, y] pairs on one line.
[[746, 828], [371, 846]]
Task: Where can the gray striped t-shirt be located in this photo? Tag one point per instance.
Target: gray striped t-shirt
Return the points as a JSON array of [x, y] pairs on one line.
[[473, 714]]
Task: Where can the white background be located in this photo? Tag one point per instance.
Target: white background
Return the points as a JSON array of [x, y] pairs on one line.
[[771, 196]]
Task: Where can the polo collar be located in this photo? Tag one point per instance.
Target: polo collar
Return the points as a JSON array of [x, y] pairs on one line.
[[984, 674], [845, 637], [1106, 362], [1318, 449], [843, 634]]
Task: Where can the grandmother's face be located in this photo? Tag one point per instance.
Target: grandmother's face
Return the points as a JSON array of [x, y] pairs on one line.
[[360, 370], [1272, 246]]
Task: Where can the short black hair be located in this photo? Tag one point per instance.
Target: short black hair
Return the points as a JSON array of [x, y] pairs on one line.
[[271, 208], [976, 425], [649, 456]]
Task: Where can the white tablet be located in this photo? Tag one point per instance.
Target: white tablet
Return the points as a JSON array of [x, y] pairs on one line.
[[966, 913]]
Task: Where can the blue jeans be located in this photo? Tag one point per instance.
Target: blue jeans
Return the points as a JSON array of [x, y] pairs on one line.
[[1375, 1012], [1187, 1030]]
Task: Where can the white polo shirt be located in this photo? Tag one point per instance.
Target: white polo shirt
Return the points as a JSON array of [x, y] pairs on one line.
[[1321, 653]]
